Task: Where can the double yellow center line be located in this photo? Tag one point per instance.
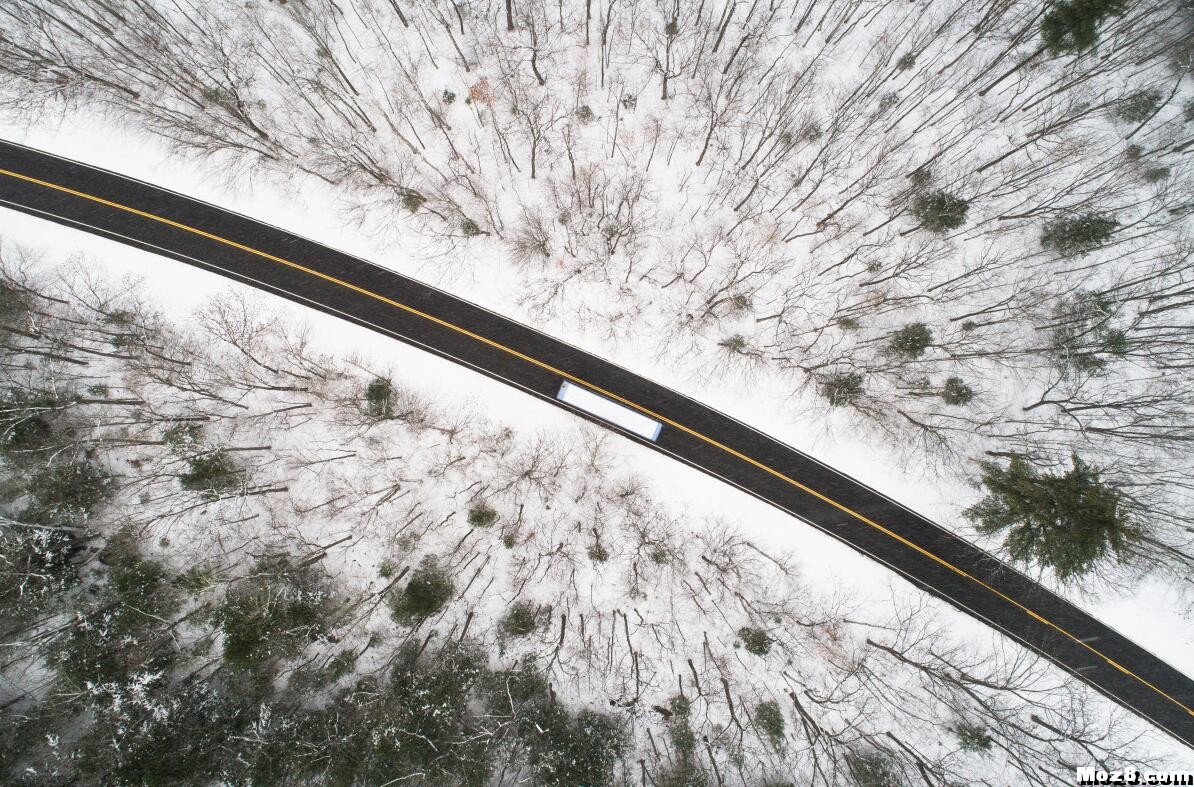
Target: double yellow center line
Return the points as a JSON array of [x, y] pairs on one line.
[[549, 368]]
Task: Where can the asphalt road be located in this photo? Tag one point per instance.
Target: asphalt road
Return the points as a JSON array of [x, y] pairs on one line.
[[303, 271]]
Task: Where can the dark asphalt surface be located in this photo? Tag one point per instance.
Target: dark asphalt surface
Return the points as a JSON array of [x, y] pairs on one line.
[[1141, 682]]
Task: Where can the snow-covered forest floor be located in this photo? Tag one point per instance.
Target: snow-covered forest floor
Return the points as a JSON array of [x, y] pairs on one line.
[[287, 564]]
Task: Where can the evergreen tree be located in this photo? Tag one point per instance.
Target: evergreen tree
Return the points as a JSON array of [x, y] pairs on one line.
[[755, 641], [956, 392], [272, 614], [1139, 106], [1069, 522], [912, 340], [1073, 25], [65, 494], [939, 211], [1078, 234], [770, 719], [379, 398], [429, 589], [873, 769], [842, 388]]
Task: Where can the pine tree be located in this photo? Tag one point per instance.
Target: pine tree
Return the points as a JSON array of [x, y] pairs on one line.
[[939, 211], [379, 398], [1078, 234], [956, 392], [1073, 25], [1069, 522], [912, 340], [842, 388]]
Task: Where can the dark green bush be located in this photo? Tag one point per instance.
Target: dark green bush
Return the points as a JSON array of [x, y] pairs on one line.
[[123, 633], [1083, 336], [956, 392], [25, 421], [973, 737], [470, 228], [272, 615], [755, 641], [1156, 174], [379, 398], [842, 388], [66, 494], [428, 590], [411, 199], [1073, 25], [939, 211], [770, 719], [523, 618], [1078, 234], [873, 769], [183, 437], [35, 570], [482, 515], [211, 473], [911, 341], [1139, 106]]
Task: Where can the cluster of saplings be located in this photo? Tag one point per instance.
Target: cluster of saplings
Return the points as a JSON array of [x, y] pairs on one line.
[[191, 678]]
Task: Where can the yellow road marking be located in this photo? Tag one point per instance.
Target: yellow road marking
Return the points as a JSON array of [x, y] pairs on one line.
[[548, 367]]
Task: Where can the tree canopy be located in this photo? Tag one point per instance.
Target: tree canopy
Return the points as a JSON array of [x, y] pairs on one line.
[[1070, 522]]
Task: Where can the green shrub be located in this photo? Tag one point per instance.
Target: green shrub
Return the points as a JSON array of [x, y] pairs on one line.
[[735, 343], [66, 494], [1084, 335], [1156, 174], [470, 228], [162, 733], [1078, 234], [211, 473], [755, 641], [598, 553], [906, 61], [428, 590], [1139, 106], [123, 633], [1073, 25], [562, 748], [911, 341], [411, 199], [956, 392], [973, 737], [578, 750], [25, 420], [523, 618], [770, 720], [183, 437], [939, 211], [842, 388], [873, 769], [14, 302], [379, 398], [482, 516], [679, 729], [272, 615]]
